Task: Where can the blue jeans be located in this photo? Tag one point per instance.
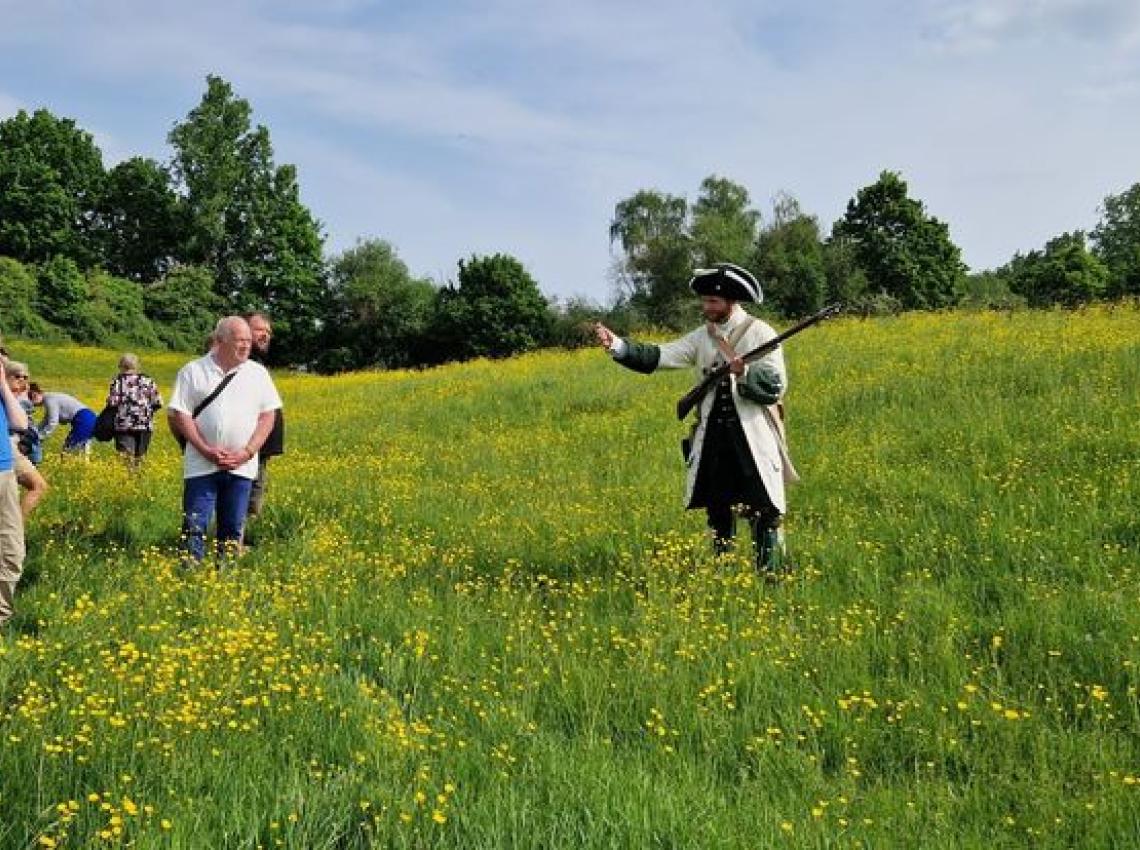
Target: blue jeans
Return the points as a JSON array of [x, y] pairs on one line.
[[82, 429], [227, 492]]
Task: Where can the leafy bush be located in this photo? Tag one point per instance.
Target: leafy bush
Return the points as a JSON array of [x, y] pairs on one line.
[[876, 304], [496, 310], [17, 298], [117, 307], [62, 295], [989, 290], [183, 307], [376, 311], [1064, 273]]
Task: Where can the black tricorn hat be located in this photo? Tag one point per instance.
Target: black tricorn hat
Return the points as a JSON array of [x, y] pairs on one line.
[[727, 280]]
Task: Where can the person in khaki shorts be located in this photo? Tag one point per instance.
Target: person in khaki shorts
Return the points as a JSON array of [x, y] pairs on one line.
[[11, 522]]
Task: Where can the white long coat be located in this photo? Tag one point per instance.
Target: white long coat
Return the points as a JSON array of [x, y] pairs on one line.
[[761, 427]]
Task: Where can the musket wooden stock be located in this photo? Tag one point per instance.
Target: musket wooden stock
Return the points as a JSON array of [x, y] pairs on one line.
[[693, 397]]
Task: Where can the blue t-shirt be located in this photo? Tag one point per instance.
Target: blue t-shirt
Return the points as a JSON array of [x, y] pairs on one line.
[[5, 441]]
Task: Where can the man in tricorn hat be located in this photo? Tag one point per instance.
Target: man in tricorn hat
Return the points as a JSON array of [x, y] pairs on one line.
[[737, 458]]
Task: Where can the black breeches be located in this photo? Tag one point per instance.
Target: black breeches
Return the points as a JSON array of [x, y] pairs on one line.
[[727, 479]]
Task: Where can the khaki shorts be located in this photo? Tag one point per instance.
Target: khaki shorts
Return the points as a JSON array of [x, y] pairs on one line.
[[21, 465]]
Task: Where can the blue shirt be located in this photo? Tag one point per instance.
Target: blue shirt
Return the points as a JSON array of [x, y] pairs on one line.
[[5, 441]]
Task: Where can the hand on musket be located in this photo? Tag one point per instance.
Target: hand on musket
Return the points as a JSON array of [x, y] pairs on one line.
[[693, 397], [734, 361]]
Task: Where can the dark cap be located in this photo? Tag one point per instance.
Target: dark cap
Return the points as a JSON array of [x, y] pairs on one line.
[[727, 280]]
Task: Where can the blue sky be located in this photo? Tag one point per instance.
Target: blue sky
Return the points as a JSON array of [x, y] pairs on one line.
[[459, 128]]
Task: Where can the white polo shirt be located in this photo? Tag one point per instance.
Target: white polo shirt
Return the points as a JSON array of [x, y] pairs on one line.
[[231, 418]]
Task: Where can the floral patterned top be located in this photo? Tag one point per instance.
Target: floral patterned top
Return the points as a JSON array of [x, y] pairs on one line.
[[137, 398]]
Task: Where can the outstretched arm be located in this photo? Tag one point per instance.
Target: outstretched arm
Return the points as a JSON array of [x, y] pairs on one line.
[[646, 357], [638, 356], [606, 338]]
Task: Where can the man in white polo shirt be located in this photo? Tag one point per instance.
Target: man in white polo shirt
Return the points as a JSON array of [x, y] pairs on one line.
[[224, 426]]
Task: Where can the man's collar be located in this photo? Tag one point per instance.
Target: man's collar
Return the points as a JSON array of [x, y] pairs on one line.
[[734, 317], [216, 362]]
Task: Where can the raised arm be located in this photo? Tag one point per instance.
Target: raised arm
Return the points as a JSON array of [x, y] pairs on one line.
[[17, 419]]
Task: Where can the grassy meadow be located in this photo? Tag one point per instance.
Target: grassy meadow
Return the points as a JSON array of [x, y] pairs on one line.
[[478, 616]]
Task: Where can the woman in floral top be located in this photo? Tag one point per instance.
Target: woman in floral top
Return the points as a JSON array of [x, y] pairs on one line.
[[135, 398]]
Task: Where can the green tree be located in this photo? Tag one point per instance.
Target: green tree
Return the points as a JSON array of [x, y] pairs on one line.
[[723, 225], [663, 239], [245, 218], [51, 176], [116, 307], [904, 253], [846, 280], [139, 220], [495, 310], [183, 307], [62, 294], [282, 268], [790, 260], [18, 296], [210, 166], [1116, 241], [989, 289], [652, 229], [377, 311], [1065, 273]]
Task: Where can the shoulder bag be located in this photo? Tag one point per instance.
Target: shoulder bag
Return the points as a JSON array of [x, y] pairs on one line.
[[203, 404]]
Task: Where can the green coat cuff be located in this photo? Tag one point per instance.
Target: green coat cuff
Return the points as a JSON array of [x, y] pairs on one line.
[[760, 384], [641, 357]]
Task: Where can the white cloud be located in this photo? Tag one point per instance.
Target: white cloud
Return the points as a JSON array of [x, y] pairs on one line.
[[516, 126], [992, 24]]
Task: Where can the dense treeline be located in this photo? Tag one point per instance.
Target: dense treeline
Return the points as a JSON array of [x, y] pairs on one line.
[[886, 254], [149, 254]]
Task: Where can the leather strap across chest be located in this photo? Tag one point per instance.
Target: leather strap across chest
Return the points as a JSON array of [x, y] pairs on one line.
[[726, 345]]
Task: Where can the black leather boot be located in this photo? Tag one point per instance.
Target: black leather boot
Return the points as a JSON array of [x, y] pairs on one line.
[[722, 521], [771, 554]]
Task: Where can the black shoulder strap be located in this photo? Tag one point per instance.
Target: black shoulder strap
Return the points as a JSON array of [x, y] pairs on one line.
[[208, 400]]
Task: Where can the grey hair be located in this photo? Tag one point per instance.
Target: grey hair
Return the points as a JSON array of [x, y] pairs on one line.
[[11, 366], [129, 363], [223, 330]]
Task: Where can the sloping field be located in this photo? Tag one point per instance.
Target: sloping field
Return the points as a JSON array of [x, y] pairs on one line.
[[478, 616]]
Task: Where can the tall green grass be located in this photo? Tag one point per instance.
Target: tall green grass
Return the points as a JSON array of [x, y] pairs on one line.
[[478, 616]]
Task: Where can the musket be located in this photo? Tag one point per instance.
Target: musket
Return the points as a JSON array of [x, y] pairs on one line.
[[693, 397]]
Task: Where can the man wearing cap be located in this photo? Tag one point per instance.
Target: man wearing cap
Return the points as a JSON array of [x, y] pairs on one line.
[[736, 458]]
